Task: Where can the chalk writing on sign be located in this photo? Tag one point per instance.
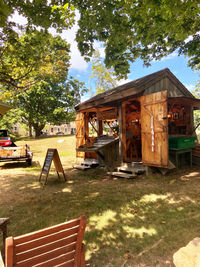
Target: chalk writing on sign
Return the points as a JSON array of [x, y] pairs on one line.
[[48, 161]]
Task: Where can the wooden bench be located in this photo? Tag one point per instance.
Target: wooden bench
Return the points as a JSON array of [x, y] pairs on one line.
[[60, 245]]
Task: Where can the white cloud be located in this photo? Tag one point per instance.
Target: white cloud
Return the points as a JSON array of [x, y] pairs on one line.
[[85, 97], [77, 61], [123, 81], [99, 46], [190, 38], [190, 87], [171, 56], [18, 19]]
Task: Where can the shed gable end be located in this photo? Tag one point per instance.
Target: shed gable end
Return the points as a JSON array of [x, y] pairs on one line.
[[171, 85]]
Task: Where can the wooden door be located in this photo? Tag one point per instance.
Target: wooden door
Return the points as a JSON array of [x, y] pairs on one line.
[[80, 140], [154, 126]]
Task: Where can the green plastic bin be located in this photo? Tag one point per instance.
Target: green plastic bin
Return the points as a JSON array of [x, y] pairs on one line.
[[181, 142]]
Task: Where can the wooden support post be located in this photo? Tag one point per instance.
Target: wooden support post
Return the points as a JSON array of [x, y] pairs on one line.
[[9, 252], [86, 126], [192, 121], [124, 131], [120, 134], [100, 127]]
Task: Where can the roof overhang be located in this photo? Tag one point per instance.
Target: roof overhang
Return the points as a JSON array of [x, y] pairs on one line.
[[193, 102], [134, 88], [4, 108]]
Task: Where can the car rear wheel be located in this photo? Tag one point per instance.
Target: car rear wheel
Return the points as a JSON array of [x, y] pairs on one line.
[[29, 162]]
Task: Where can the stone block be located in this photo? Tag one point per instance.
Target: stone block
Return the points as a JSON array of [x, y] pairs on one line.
[[188, 256]]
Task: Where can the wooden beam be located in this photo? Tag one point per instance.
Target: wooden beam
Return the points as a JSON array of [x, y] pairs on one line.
[[96, 109], [114, 133], [110, 98], [120, 134], [100, 127], [124, 131], [86, 126], [93, 127]]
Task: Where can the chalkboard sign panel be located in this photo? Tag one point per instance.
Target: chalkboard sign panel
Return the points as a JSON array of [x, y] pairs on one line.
[[52, 154], [48, 160]]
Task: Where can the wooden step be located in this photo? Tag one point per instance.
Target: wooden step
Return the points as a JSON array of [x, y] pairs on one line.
[[82, 167], [122, 175], [90, 162], [132, 165], [132, 168], [139, 170], [164, 171]]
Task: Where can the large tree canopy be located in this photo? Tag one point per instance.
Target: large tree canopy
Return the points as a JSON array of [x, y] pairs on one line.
[[44, 13], [130, 29], [134, 29], [34, 78], [50, 102], [31, 58]]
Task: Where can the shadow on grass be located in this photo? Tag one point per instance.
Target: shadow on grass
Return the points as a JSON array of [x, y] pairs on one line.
[[128, 221], [19, 164], [14, 165]]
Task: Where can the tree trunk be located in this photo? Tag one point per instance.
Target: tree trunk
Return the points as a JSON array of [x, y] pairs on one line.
[[30, 129], [38, 128]]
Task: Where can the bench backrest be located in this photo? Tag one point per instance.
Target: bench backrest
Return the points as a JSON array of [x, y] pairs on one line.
[[60, 245]]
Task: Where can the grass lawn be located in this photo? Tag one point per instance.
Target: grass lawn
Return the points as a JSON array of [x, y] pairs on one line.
[[139, 222]]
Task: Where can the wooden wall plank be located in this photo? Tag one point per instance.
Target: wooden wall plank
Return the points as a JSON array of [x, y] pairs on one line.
[[80, 133], [154, 144], [120, 117], [124, 131]]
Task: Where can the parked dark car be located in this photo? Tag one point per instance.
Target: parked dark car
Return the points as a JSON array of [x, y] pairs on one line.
[[59, 133]]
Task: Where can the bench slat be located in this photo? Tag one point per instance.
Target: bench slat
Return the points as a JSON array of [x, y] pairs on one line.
[[54, 262], [41, 242], [57, 246], [46, 231], [46, 256], [44, 249], [66, 264]]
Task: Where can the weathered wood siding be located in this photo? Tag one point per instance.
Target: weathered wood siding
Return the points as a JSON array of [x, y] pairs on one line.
[[111, 156], [80, 140], [154, 126], [173, 88]]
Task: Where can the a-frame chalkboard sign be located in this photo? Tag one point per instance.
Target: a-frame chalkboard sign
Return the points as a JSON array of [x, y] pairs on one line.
[[52, 155]]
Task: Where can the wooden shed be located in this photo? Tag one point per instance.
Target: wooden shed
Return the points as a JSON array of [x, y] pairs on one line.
[[4, 108], [142, 116]]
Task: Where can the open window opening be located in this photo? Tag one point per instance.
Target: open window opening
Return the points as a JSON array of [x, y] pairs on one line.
[[92, 125], [111, 128], [179, 119], [97, 129], [102, 123]]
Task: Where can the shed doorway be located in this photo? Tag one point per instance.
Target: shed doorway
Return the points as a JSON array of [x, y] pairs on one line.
[[145, 130], [132, 133]]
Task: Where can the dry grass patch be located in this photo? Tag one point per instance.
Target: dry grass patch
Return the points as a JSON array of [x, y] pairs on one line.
[[139, 222]]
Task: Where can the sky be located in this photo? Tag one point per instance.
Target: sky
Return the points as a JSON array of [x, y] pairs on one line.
[[178, 65], [81, 70]]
